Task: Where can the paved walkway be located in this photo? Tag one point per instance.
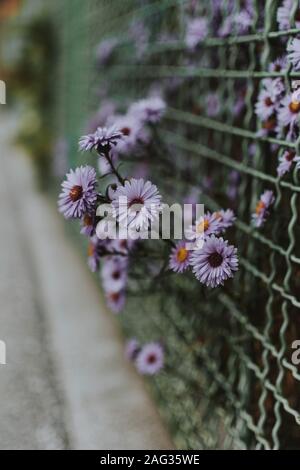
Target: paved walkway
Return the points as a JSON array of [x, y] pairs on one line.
[[66, 384]]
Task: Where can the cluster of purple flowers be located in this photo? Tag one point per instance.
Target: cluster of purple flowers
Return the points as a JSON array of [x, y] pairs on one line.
[[215, 260], [135, 203], [277, 107], [80, 197], [148, 359], [226, 19]]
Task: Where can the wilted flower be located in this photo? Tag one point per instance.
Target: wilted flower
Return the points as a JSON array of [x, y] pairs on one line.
[[150, 359], [179, 258], [262, 208], [78, 195], [215, 262]]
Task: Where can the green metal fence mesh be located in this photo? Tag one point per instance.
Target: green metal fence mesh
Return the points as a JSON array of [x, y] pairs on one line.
[[229, 380]]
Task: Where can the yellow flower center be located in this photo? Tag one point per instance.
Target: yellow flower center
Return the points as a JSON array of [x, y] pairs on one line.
[[182, 254], [294, 106], [260, 206], [90, 250], [202, 226]]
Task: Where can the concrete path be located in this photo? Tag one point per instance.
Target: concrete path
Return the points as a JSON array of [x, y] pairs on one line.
[[66, 384]]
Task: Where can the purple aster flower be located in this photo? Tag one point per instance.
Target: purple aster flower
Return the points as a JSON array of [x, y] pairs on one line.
[[226, 218], [269, 98], [87, 142], [149, 110], [88, 224], [275, 86], [136, 203], [262, 208], [213, 104], [243, 21], [179, 258], [150, 359], [285, 162], [132, 349], [284, 15], [206, 225], [264, 107], [215, 262], [197, 31], [115, 301], [293, 50], [114, 273], [78, 194], [278, 65], [288, 113], [103, 138], [132, 127]]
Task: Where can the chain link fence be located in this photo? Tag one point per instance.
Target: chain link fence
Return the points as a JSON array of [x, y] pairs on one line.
[[229, 381]]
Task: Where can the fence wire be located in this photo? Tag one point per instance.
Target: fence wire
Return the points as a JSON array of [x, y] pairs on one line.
[[229, 381]]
